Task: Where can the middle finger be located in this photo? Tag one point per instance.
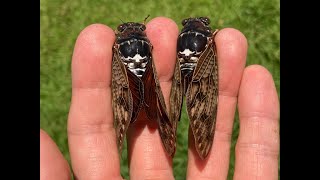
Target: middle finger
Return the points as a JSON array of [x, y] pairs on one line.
[[147, 157]]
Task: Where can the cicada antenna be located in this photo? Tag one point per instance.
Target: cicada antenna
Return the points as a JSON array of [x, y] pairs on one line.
[[145, 19], [121, 20]]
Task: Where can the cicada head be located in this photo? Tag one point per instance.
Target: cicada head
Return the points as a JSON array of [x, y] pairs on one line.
[[200, 25], [130, 30]]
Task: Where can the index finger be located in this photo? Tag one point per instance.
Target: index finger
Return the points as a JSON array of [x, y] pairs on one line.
[[92, 139]]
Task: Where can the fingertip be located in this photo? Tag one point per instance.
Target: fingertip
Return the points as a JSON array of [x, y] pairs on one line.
[[43, 134], [94, 37], [258, 93], [231, 53], [259, 72], [258, 77], [92, 56], [162, 24], [94, 32], [231, 35], [95, 29], [163, 34], [232, 43]]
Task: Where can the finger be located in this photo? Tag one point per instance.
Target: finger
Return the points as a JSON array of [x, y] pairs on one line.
[[92, 139], [52, 163], [231, 53], [148, 159], [257, 148]]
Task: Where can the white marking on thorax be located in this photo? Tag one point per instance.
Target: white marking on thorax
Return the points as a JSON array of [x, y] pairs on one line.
[[194, 58], [136, 64], [187, 52], [187, 66], [137, 58], [200, 34]]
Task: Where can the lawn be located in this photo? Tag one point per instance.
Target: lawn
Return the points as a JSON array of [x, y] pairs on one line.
[[61, 22]]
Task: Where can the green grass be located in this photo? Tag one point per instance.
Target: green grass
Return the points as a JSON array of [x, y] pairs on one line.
[[61, 22]]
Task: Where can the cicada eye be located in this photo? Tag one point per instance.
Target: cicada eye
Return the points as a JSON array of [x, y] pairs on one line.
[[142, 27], [205, 20], [184, 22], [121, 27]]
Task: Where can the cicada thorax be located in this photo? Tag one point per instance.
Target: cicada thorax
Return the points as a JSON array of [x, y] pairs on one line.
[[197, 81], [141, 89], [192, 41], [135, 53]]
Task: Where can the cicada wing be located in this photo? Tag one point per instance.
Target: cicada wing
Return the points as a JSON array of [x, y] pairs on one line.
[[176, 97], [202, 100], [137, 91], [122, 103], [156, 108]]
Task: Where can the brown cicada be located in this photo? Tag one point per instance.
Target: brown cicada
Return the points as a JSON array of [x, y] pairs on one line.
[[196, 79], [135, 85]]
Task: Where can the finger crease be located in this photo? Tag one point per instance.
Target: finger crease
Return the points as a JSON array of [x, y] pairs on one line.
[[257, 114], [92, 85], [228, 94], [223, 135], [88, 129], [259, 149]]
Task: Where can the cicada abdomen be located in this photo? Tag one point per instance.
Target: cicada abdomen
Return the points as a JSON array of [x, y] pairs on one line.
[[196, 79], [135, 84]]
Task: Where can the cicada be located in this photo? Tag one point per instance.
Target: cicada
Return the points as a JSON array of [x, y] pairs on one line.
[[196, 79], [135, 85]]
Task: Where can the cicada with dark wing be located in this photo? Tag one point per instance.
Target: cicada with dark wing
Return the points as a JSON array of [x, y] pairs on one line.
[[135, 85], [196, 79]]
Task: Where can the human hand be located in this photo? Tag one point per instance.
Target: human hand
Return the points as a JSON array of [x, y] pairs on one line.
[[92, 139]]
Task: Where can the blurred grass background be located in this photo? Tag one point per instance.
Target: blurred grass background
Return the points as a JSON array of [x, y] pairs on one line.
[[61, 22]]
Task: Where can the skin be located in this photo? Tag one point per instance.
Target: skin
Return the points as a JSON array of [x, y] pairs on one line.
[[92, 140]]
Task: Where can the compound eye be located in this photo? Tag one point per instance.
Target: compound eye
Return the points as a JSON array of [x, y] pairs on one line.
[[205, 20], [142, 27], [121, 27], [184, 22]]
